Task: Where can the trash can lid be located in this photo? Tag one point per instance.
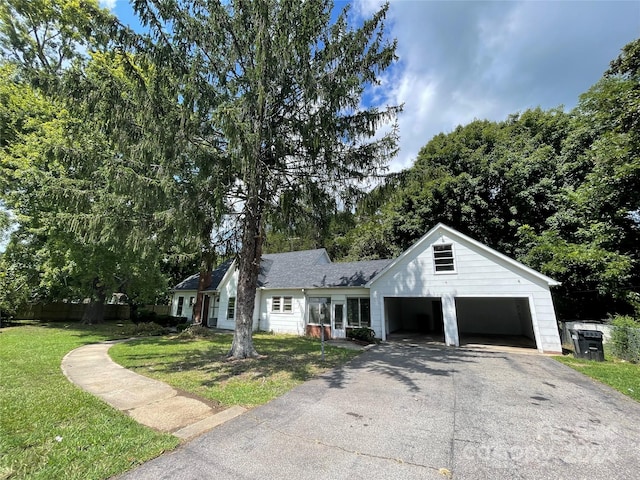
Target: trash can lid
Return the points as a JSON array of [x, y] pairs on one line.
[[590, 333]]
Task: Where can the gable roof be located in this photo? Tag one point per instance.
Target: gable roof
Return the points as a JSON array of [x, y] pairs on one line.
[[441, 228], [301, 269], [286, 273], [191, 283]]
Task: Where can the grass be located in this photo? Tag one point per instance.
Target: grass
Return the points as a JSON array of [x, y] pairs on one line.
[[199, 366], [623, 376], [51, 429]]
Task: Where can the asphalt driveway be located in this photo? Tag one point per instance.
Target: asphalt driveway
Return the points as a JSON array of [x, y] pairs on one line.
[[424, 412]]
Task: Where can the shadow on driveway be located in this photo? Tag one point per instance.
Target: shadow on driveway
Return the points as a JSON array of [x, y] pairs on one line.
[[425, 412]]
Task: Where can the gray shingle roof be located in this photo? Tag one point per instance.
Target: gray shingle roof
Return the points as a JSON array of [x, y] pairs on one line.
[[302, 269], [191, 283], [290, 275]]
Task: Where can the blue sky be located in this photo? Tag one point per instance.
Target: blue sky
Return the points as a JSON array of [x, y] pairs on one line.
[[466, 60]]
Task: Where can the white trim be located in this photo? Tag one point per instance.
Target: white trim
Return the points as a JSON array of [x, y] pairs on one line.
[[441, 228]]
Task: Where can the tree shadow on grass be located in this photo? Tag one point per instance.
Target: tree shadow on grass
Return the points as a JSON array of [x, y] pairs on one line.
[[297, 357]]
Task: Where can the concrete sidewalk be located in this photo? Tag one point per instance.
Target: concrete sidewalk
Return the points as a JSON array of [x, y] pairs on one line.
[[150, 402]]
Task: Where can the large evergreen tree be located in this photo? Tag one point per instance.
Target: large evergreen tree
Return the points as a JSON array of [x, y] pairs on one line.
[[282, 85]]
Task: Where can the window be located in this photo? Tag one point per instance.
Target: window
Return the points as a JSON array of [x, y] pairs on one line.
[[443, 258], [287, 304], [180, 305], [192, 301], [282, 304], [358, 312], [231, 308], [320, 310], [275, 304]]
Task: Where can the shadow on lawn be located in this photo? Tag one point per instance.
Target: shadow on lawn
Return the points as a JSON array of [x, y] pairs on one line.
[[297, 356]]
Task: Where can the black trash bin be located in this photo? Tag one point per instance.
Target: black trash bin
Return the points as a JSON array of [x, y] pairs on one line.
[[587, 344]]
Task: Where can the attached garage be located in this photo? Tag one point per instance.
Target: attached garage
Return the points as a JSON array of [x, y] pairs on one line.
[[414, 315], [447, 282]]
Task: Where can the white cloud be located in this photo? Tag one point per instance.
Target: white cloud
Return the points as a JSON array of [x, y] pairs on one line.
[[109, 4], [461, 61]]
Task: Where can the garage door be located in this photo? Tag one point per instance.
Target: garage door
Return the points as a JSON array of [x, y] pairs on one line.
[[499, 321]]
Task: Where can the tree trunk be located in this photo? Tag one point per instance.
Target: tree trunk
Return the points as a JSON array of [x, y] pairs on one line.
[[94, 312], [248, 270]]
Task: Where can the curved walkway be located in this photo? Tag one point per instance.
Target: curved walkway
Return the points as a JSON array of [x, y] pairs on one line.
[[149, 402]]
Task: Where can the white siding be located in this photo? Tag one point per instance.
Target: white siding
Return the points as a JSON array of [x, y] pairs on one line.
[[227, 289], [478, 274], [187, 311], [282, 322]]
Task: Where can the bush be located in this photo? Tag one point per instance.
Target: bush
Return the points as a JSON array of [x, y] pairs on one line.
[[625, 338], [196, 331], [145, 329], [147, 316], [363, 334]]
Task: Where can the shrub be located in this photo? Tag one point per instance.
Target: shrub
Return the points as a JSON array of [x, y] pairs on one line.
[[363, 334], [147, 316], [625, 338], [145, 329], [196, 331]]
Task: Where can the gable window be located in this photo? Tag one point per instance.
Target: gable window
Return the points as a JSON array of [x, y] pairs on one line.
[[282, 304], [180, 305], [231, 308], [443, 258], [358, 312]]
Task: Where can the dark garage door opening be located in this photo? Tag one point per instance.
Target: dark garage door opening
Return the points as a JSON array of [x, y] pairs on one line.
[[415, 316], [495, 321]]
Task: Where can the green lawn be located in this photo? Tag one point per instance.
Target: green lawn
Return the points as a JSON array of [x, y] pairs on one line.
[[199, 366], [623, 376], [51, 429]]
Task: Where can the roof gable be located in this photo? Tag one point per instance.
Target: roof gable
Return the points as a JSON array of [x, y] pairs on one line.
[[442, 229]]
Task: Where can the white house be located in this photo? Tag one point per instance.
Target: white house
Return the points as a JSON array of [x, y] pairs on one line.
[[446, 285]]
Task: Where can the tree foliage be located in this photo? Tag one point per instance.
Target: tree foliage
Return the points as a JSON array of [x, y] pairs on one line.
[[280, 85], [73, 224], [558, 191]]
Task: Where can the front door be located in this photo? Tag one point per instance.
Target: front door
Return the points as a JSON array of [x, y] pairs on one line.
[[205, 311], [338, 321]]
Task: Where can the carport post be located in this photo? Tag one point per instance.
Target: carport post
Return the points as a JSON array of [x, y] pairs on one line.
[[450, 320]]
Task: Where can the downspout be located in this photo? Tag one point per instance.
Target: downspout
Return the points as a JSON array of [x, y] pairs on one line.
[[305, 312]]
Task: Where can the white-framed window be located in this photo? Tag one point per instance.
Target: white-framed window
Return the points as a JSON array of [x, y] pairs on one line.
[[443, 258], [276, 304], [358, 312], [282, 304], [287, 304], [231, 308], [192, 301]]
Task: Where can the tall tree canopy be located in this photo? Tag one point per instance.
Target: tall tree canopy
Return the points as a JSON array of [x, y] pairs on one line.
[[558, 191], [282, 86], [73, 228]]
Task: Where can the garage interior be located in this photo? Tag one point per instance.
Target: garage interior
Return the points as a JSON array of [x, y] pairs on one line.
[[483, 321], [495, 321], [414, 316]]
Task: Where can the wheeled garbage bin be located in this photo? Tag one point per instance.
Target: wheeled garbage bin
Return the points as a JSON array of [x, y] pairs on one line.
[[587, 344]]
